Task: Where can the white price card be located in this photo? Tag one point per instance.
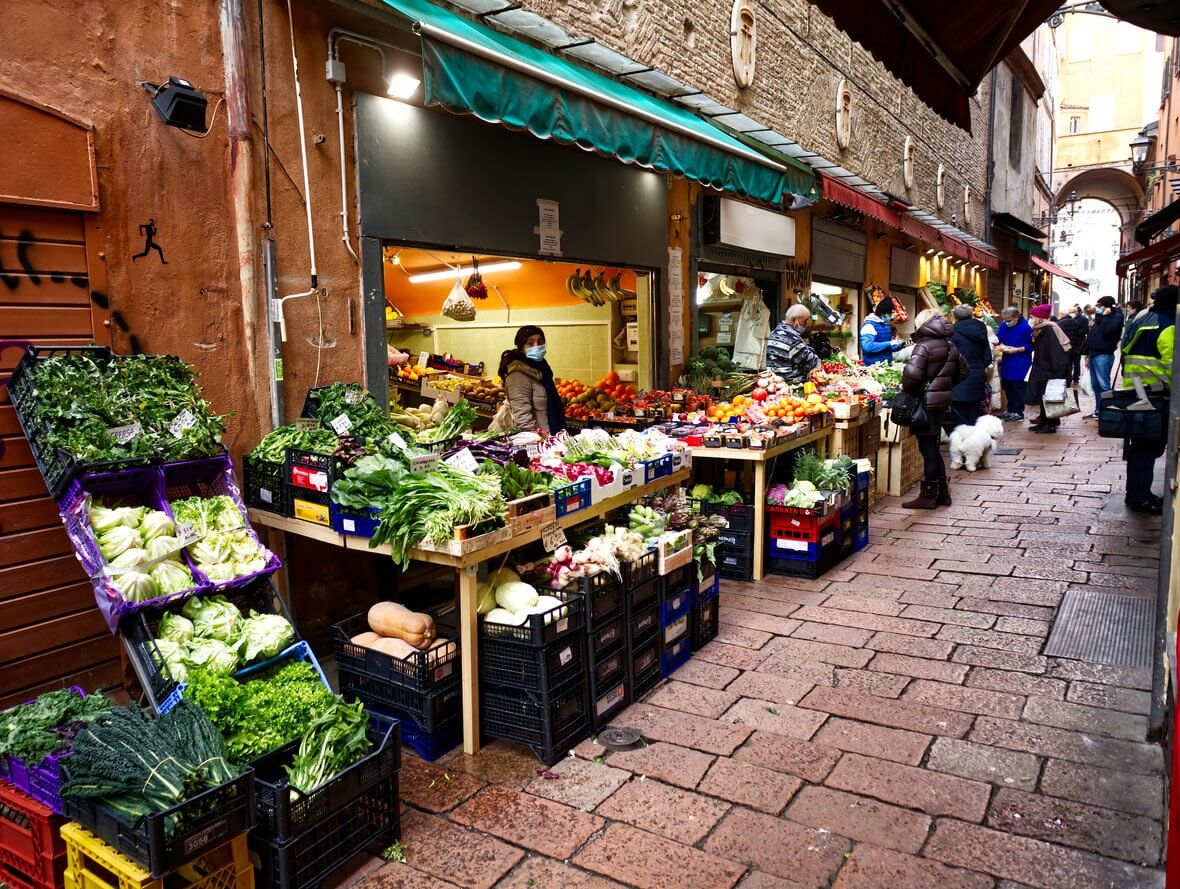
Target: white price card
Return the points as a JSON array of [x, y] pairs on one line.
[[182, 421], [354, 396], [342, 424], [552, 536], [124, 434], [532, 449], [397, 441], [425, 463], [186, 533], [424, 360], [306, 422], [464, 460]]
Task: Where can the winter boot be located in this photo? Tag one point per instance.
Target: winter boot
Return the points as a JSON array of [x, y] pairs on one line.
[[944, 493], [927, 499]]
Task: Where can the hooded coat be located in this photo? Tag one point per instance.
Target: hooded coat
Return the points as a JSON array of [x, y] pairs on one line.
[[970, 338], [1050, 361], [935, 366]]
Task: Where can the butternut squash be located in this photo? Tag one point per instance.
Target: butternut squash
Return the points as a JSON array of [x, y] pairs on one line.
[[365, 639], [395, 620], [397, 648]]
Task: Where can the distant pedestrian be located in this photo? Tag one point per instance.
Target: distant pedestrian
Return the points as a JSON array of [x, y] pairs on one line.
[[1015, 336], [1075, 326], [1147, 357], [1050, 361], [933, 370], [1103, 340], [970, 338]]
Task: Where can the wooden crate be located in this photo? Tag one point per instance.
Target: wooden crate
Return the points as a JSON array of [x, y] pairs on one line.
[[899, 467]]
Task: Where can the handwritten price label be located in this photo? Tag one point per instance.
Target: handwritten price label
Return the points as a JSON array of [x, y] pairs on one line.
[[552, 536], [342, 424], [354, 396], [186, 533], [463, 460], [425, 463], [124, 434], [182, 421], [306, 423]]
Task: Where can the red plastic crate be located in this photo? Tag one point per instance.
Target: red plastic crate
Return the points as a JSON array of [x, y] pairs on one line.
[[32, 852], [785, 526]]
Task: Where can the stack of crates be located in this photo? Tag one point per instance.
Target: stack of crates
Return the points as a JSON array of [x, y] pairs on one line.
[[32, 853], [735, 545], [94, 864], [804, 542], [675, 615], [533, 677], [860, 504], [421, 691], [643, 587], [706, 599], [606, 646]]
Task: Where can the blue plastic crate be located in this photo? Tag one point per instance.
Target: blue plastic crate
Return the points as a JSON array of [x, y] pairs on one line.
[[572, 498], [675, 604], [862, 481], [299, 651], [428, 745], [352, 523], [655, 468], [861, 539], [675, 655], [802, 550]]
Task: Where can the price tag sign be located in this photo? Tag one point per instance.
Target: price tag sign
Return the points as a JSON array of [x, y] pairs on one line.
[[464, 460], [397, 441], [424, 360], [124, 434], [533, 449], [186, 533], [181, 422], [342, 424], [425, 463], [552, 536], [306, 423], [354, 396]]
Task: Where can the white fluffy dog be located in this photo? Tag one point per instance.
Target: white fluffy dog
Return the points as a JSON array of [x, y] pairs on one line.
[[972, 446]]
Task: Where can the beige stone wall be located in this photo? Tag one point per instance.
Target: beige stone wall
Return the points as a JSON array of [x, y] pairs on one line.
[[802, 57]]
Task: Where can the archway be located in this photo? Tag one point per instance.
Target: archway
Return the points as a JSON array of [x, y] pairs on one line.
[[1113, 185]]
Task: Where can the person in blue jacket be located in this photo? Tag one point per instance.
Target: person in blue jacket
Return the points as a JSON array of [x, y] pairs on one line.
[[877, 342], [1015, 336]]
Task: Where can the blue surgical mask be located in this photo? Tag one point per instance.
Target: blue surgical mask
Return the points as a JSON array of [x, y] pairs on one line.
[[886, 318], [536, 353], [1011, 323]]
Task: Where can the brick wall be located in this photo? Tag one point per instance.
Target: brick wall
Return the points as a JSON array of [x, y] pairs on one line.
[[802, 57]]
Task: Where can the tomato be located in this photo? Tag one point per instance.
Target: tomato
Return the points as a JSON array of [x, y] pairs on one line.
[[759, 395]]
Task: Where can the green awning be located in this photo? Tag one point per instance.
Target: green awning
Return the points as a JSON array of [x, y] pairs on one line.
[[470, 68], [1029, 245]]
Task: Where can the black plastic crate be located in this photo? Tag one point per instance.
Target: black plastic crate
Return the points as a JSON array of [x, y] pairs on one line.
[[645, 667], [370, 821], [549, 727], [539, 669], [704, 622], [284, 812], [679, 578], [609, 688], [641, 570], [262, 485], [739, 515], [603, 593], [421, 671], [645, 594], [164, 841], [739, 540], [606, 635], [309, 471], [676, 629], [736, 564], [544, 627], [644, 624], [138, 632], [309, 506], [427, 708]]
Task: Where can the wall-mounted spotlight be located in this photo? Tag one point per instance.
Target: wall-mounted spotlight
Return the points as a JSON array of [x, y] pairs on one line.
[[402, 85], [179, 104], [931, 250]]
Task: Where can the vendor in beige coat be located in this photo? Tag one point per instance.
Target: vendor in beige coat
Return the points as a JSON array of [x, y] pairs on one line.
[[528, 383]]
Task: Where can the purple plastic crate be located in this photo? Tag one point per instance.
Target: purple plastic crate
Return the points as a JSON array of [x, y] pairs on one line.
[[41, 781], [214, 477], [144, 486]]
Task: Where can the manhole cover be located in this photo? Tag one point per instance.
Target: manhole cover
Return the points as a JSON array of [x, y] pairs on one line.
[[619, 738], [1007, 452], [1104, 628]]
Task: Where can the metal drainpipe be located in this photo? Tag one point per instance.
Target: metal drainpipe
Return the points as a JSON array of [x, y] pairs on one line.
[[991, 160], [241, 161]]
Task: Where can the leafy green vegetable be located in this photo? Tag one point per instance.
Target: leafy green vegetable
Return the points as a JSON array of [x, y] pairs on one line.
[[337, 737], [459, 418], [516, 482], [34, 730], [367, 418], [264, 636], [273, 447]]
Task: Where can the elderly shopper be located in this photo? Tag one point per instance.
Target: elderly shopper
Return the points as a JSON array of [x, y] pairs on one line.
[[787, 353], [970, 338], [933, 370], [1050, 361], [1015, 336]]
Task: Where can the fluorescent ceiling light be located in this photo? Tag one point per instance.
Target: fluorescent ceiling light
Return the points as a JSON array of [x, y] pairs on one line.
[[443, 274], [402, 85]]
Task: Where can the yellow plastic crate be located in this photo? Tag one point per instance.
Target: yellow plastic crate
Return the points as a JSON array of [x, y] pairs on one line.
[[92, 864]]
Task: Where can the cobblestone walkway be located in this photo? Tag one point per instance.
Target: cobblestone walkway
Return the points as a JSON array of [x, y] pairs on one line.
[[892, 724]]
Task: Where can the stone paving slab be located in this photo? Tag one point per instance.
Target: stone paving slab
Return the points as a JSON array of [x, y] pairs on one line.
[[893, 723]]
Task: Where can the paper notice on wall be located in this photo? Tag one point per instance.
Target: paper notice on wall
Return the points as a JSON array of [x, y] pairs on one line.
[[675, 306], [675, 353], [548, 228]]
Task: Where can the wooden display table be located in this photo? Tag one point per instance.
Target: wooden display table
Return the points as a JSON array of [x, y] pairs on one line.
[[759, 459], [467, 568]]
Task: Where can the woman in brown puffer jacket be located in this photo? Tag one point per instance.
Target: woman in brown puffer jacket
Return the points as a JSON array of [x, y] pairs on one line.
[[934, 369]]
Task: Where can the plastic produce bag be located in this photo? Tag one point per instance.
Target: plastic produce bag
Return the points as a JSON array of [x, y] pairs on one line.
[[458, 305]]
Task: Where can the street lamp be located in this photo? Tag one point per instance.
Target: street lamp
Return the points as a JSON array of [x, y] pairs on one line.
[[1139, 148]]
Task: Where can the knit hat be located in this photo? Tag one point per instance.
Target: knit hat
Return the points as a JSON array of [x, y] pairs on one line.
[[1164, 299], [884, 307], [1042, 311], [1107, 301]]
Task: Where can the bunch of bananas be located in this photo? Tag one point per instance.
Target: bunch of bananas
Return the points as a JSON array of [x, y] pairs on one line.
[[597, 290]]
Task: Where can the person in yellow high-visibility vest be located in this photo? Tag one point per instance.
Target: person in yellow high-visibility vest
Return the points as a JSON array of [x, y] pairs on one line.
[[1147, 355]]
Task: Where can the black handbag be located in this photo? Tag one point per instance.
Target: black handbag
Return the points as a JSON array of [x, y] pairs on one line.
[[910, 410], [1117, 418]]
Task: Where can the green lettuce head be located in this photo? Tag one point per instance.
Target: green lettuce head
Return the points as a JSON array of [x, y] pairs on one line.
[[264, 636], [117, 541], [214, 618], [135, 586], [175, 627], [212, 654], [156, 524], [167, 545], [172, 577], [130, 558]]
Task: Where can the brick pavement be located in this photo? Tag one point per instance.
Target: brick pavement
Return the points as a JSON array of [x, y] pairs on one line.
[[891, 724]]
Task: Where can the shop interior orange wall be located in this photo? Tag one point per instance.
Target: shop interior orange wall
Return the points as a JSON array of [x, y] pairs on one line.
[[536, 284]]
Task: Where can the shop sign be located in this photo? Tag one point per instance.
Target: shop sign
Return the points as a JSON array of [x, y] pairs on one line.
[[743, 42]]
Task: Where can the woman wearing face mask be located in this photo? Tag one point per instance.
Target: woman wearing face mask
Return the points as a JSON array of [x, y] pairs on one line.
[[528, 383], [1015, 336], [1050, 361]]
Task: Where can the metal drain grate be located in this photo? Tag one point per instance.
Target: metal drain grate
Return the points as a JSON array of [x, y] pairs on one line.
[[1007, 452], [1104, 628]]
